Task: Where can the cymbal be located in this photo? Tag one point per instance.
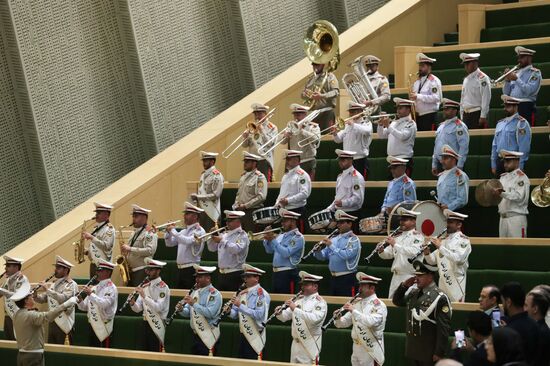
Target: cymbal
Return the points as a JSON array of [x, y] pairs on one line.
[[485, 193]]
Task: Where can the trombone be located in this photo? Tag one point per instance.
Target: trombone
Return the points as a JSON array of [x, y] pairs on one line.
[[207, 236], [252, 128], [252, 235], [503, 76], [339, 125]]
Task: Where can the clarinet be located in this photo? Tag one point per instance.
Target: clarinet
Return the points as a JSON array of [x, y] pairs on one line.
[[382, 244], [226, 309], [339, 312], [170, 319], [429, 245], [133, 295], [35, 288], [281, 309], [320, 245], [81, 293]]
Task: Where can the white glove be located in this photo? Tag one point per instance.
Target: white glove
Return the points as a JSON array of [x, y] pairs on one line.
[[71, 302]]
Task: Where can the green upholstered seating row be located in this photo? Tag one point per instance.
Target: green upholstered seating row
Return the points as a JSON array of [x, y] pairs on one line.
[[483, 221], [523, 31], [523, 16]]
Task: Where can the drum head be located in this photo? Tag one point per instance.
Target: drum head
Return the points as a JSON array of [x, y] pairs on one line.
[[393, 217], [431, 220], [266, 216]]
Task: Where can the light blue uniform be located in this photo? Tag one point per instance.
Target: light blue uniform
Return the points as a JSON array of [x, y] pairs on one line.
[[255, 306], [287, 249], [399, 190], [452, 132], [452, 188], [343, 255], [209, 304], [512, 134], [526, 86]]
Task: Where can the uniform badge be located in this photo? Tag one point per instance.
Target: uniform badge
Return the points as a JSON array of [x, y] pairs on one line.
[[318, 308], [256, 136], [302, 181], [460, 133], [416, 241], [463, 245], [259, 304], [434, 90], [299, 306], [148, 238], [484, 83], [243, 302], [18, 284], [292, 243], [407, 193], [521, 131], [109, 233], [211, 298], [260, 184], [200, 183], [162, 295], [356, 187], [520, 183], [445, 309], [385, 85], [534, 77]]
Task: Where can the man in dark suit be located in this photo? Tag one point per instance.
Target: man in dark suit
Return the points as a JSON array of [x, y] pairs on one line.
[[536, 305], [479, 327]]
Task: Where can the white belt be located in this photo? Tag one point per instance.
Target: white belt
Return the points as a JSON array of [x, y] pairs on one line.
[[229, 270], [280, 269], [32, 351], [507, 215], [472, 110], [138, 268], [338, 274], [182, 266]]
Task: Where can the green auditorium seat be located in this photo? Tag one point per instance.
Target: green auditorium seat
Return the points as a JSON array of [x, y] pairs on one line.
[[517, 16], [524, 31]]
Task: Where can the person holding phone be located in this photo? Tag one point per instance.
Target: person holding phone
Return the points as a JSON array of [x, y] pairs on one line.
[[479, 329]]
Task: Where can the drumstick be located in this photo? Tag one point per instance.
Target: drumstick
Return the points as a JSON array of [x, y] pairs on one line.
[[434, 195]]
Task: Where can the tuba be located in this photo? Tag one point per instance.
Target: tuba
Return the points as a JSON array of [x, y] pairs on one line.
[[359, 86], [121, 260], [540, 196], [321, 45]]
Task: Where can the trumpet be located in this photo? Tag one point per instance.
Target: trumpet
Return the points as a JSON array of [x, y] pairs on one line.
[[226, 309], [320, 245], [165, 225], [251, 128], [383, 244], [35, 288], [374, 119], [339, 125], [503, 76], [133, 296], [429, 245], [170, 319], [281, 309], [338, 313], [207, 236], [252, 235]]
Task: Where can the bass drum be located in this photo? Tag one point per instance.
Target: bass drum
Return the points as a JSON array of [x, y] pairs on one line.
[[431, 220]]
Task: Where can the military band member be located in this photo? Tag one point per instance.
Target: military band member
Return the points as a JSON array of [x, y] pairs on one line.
[[203, 307], [515, 197], [402, 247], [295, 186], [307, 312], [209, 191], [251, 307], [62, 329], [426, 93], [401, 188], [350, 186], [141, 245], [101, 305], [475, 98], [154, 302], [512, 133], [452, 183], [451, 257], [378, 81], [28, 324], [356, 137], [252, 190], [368, 320], [15, 280], [342, 252], [102, 239], [189, 251], [299, 131], [524, 83], [400, 133], [452, 132], [232, 247], [265, 131], [287, 249], [321, 91], [428, 316]]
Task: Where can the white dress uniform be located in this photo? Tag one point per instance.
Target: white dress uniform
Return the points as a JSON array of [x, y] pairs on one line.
[[210, 187], [406, 246], [456, 248], [308, 131], [356, 137], [254, 141], [476, 94], [252, 190], [189, 251], [312, 310], [12, 284], [157, 298], [401, 135], [105, 298], [101, 245], [513, 207], [232, 250], [143, 244], [381, 85], [428, 94], [295, 187], [370, 312], [350, 188]]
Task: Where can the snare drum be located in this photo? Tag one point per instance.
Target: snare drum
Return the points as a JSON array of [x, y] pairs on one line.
[[431, 220], [322, 220], [266, 215], [371, 225]]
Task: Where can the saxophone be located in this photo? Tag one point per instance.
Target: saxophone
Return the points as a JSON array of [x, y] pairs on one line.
[[121, 260], [79, 250]]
